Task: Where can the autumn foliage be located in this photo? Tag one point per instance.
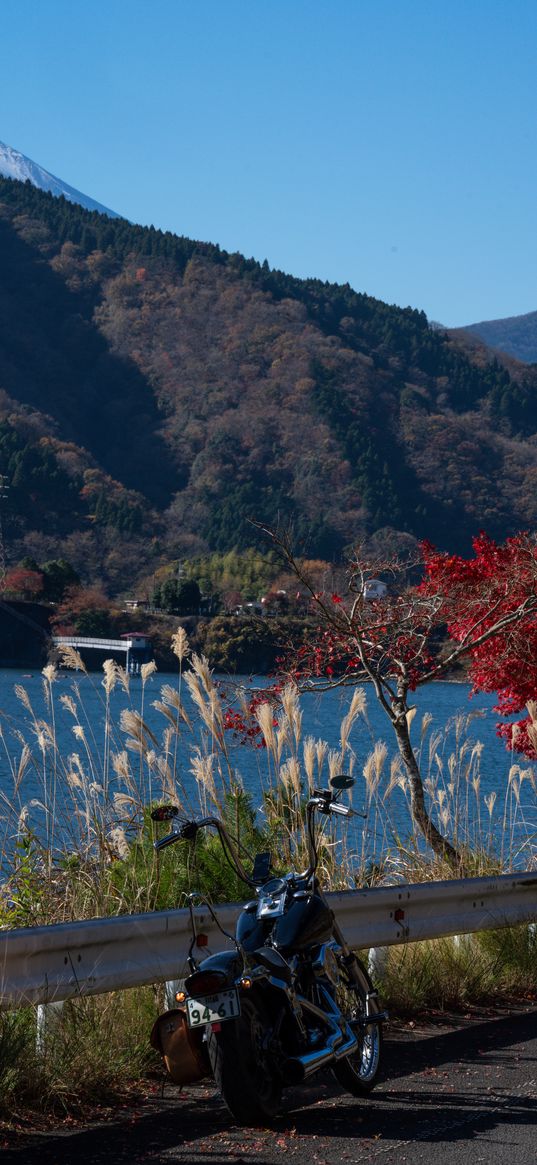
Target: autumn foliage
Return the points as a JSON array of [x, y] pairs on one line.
[[483, 607], [433, 614], [24, 584], [477, 594]]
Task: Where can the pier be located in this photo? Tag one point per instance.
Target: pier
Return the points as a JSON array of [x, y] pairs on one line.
[[136, 648]]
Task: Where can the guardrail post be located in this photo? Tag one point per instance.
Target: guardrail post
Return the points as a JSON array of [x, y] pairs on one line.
[[377, 961], [48, 1017]]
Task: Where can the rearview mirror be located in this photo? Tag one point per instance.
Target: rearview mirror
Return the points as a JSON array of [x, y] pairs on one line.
[[342, 781], [164, 813]]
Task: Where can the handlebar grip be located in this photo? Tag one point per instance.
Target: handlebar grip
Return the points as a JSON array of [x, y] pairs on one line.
[[168, 840], [186, 832], [335, 807]]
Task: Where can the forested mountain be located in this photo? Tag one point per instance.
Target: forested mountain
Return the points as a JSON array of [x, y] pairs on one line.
[[156, 392], [516, 335]]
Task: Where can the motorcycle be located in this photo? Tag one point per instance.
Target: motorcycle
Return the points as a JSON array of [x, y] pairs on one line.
[[288, 999]]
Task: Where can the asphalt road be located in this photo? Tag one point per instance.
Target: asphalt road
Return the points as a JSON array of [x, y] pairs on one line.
[[464, 1096]]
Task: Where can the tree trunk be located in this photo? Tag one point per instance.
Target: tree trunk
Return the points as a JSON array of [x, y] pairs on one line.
[[439, 844]]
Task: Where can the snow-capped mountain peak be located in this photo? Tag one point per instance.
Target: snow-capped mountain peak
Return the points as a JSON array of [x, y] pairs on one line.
[[13, 164]]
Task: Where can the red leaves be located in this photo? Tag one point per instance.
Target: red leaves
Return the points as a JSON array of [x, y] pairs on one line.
[[486, 603], [498, 584], [243, 724]]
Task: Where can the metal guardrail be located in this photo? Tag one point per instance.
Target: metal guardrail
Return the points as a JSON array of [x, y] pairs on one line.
[[52, 963]]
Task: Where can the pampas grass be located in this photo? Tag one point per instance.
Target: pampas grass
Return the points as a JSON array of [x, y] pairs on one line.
[[91, 803]]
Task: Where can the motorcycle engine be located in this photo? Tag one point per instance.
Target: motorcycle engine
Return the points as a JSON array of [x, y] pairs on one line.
[[325, 965]]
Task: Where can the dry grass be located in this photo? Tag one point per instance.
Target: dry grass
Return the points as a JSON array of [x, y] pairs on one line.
[[451, 974], [91, 1053]]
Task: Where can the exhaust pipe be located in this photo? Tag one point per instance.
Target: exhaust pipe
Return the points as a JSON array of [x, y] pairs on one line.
[[298, 1068]]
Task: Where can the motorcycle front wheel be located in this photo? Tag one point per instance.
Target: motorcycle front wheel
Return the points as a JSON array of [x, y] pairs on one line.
[[241, 1065], [358, 1073]]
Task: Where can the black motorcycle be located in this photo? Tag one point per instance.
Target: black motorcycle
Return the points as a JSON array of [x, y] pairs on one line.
[[288, 998]]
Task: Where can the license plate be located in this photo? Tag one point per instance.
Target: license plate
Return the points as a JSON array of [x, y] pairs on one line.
[[213, 1008]]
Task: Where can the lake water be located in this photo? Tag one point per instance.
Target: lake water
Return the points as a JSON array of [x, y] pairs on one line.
[[454, 764]]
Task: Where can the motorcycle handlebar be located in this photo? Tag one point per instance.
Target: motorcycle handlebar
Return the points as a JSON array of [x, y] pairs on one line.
[[187, 832]]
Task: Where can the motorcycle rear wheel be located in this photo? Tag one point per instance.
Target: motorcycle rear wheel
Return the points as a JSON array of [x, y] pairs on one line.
[[358, 1073], [241, 1067]]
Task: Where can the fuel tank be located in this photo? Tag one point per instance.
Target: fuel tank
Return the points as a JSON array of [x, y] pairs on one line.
[[251, 932], [306, 922]]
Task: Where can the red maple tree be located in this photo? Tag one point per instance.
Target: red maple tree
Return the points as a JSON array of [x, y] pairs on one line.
[[435, 611]]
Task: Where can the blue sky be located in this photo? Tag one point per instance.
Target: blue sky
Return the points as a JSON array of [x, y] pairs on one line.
[[387, 143]]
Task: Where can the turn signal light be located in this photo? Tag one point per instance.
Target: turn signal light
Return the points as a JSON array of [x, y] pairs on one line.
[[180, 996], [246, 983]]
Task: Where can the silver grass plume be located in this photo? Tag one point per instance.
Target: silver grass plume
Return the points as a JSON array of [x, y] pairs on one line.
[[118, 841], [374, 765], [67, 702], [200, 666], [201, 767], [357, 708], [309, 761], [180, 645], [290, 776], [110, 675], [171, 697], [131, 722], [335, 762], [24, 761], [70, 657], [397, 777], [120, 765], [426, 722], [292, 712], [167, 713], [264, 715], [321, 750], [123, 677], [23, 696], [490, 800]]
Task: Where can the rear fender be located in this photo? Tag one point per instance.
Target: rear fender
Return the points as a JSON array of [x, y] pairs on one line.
[[225, 963]]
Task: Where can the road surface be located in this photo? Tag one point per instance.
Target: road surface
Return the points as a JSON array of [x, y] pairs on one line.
[[465, 1096]]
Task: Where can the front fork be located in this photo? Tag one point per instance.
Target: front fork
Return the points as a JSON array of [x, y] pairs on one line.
[[360, 978]]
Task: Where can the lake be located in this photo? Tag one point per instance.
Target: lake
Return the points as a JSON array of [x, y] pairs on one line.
[[467, 764]]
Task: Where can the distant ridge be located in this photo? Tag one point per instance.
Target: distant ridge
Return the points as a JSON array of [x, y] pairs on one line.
[[13, 164], [516, 335]]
